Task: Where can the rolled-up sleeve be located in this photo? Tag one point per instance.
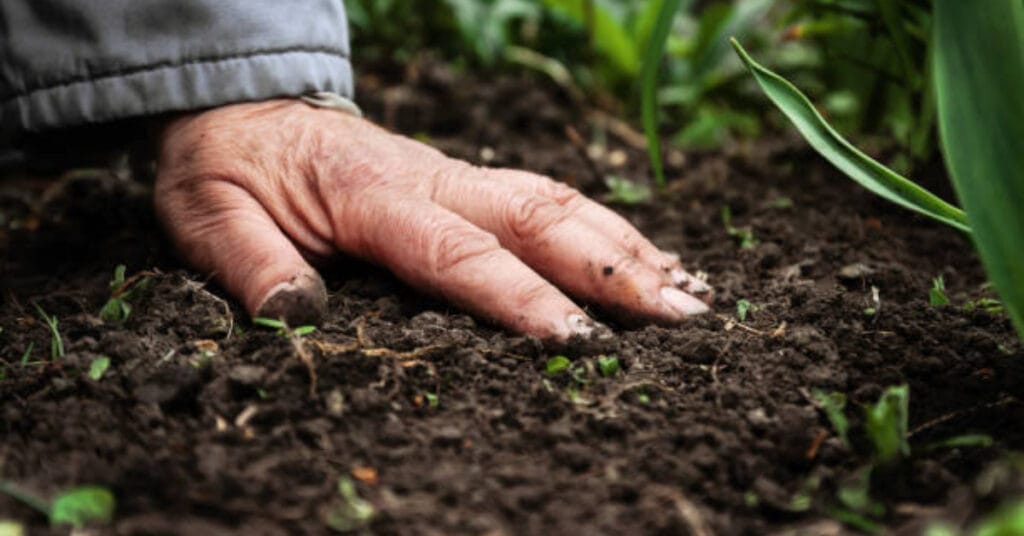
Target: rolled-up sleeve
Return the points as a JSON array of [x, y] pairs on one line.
[[66, 63]]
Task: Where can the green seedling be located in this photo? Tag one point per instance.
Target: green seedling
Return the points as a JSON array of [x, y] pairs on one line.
[[608, 365], [743, 236], [624, 191], [781, 203], [76, 507], [56, 341], [282, 328], [118, 309], [557, 365], [350, 512], [989, 305], [834, 406], [433, 400], [98, 367], [886, 424], [937, 295], [28, 354], [744, 308]]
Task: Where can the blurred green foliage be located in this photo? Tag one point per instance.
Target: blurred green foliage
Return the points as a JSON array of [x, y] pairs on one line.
[[875, 51]]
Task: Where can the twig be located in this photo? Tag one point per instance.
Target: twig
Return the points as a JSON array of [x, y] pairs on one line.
[[1005, 401]]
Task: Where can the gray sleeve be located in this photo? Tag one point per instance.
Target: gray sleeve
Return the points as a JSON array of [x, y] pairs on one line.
[[66, 63]]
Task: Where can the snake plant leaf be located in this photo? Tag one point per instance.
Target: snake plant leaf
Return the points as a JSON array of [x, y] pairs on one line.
[[860, 167], [979, 80]]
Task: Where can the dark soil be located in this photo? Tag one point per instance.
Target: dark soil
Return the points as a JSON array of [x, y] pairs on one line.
[[204, 424]]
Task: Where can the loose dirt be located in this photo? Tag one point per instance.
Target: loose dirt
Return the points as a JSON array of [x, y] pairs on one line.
[[205, 424]]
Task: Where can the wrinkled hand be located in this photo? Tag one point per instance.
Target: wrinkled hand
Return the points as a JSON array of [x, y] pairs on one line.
[[249, 192]]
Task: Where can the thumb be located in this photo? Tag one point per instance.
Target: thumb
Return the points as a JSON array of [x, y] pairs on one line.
[[221, 229]]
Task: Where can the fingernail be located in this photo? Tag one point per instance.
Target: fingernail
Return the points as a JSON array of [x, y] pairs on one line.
[[587, 327], [683, 302], [580, 325], [301, 301], [688, 283]]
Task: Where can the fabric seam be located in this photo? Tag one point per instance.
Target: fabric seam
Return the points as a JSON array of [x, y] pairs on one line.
[[169, 65]]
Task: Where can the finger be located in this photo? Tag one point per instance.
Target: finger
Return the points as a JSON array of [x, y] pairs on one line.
[[441, 253], [223, 230], [549, 235], [609, 223]]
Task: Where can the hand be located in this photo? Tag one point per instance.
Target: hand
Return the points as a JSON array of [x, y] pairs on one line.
[[249, 192]]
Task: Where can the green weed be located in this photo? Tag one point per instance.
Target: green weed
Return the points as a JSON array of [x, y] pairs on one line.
[[56, 341], [98, 367], [743, 236], [624, 191], [118, 308], [937, 295], [350, 512], [744, 308], [282, 328], [608, 365], [76, 507]]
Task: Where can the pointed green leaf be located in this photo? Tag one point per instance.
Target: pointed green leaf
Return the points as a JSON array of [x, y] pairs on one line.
[[649, 83], [979, 80], [82, 505], [860, 167]]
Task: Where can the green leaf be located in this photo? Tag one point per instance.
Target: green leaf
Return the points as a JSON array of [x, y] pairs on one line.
[[855, 494], [964, 441], [350, 512], [625, 191], [82, 505], [887, 423], [609, 37], [834, 406], [557, 365], [743, 307], [979, 79], [937, 295], [608, 365], [98, 367], [303, 330], [118, 280], [649, 84], [860, 167], [432, 399], [268, 322]]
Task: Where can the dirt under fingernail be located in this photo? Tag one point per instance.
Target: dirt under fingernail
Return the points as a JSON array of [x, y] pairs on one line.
[[301, 301]]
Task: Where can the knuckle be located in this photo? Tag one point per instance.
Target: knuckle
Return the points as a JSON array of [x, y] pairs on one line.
[[529, 216], [528, 293], [453, 247]]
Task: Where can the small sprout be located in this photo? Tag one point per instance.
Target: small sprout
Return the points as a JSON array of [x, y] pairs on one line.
[[964, 441], [886, 424], [937, 295], [743, 236], [351, 512], [751, 499], [282, 328], [855, 494], [870, 311], [608, 365], [77, 506], [744, 308], [432, 399], [625, 191], [118, 309], [989, 305], [28, 354], [99, 367], [781, 202], [56, 341], [83, 505], [643, 398], [834, 405], [557, 365], [262, 393]]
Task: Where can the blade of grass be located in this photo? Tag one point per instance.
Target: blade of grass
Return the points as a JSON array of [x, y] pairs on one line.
[[649, 84], [979, 77], [860, 167]]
